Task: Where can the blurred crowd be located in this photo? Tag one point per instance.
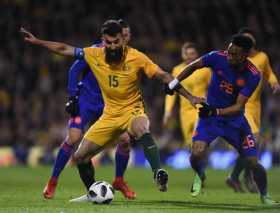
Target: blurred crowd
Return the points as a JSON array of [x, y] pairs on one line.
[[33, 82]]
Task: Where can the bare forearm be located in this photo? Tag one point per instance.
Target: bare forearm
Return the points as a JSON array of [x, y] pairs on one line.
[[232, 110], [57, 47], [167, 78], [182, 91], [189, 69]]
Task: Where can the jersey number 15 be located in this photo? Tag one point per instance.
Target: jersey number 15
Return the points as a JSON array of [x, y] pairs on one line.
[[113, 81]]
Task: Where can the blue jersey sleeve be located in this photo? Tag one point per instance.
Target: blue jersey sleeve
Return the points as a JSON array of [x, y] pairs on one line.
[[251, 85], [79, 53], [73, 74], [209, 59]]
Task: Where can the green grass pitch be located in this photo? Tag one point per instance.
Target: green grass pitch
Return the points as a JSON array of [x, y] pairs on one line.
[[21, 189]]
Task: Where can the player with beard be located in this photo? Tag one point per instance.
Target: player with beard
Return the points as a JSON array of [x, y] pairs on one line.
[[116, 67], [85, 106]]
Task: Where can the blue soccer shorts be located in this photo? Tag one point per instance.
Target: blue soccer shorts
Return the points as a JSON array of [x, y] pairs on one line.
[[236, 131], [89, 114]]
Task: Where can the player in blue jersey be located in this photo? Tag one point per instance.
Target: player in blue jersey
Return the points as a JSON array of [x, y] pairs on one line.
[[234, 79], [85, 106]]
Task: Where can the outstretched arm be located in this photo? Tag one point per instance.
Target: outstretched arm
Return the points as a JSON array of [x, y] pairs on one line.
[[197, 64], [167, 78], [56, 47], [190, 68]]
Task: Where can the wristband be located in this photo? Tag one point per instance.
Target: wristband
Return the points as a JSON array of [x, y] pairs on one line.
[[79, 53], [172, 84]]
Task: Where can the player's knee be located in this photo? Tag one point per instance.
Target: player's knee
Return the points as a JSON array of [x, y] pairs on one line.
[[78, 158], [74, 136], [198, 150], [125, 139], [123, 147], [141, 131]]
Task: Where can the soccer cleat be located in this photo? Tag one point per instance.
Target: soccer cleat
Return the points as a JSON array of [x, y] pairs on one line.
[[235, 185], [250, 183], [49, 189], [120, 185], [81, 199], [161, 178], [267, 200], [196, 186]]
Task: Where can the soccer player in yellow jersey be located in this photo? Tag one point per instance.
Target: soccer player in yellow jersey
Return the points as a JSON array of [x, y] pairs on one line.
[[196, 84], [116, 67], [253, 111]]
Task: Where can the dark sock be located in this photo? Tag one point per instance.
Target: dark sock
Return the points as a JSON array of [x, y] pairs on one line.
[[151, 151], [121, 158], [238, 167], [260, 178], [64, 153], [198, 166], [86, 171]]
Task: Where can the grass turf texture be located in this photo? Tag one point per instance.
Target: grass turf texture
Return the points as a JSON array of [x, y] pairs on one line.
[[21, 192]]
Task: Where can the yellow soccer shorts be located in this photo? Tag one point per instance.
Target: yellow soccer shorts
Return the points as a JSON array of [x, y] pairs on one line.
[[253, 116], [109, 127], [188, 119]]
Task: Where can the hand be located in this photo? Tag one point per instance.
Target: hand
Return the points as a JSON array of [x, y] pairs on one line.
[[166, 119], [275, 88], [206, 110], [72, 106], [167, 90], [29, 37], [196, 100]]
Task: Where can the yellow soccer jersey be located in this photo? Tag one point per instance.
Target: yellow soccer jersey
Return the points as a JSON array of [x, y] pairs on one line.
[[261, 61], [196, 84], [120, 84]]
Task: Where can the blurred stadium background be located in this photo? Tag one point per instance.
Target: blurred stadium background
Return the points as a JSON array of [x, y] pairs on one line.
[[33, 82]]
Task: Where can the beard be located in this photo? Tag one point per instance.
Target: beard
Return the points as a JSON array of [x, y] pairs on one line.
[[113, 57]]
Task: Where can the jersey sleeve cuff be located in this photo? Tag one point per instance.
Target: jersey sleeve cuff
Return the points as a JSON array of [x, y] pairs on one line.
[[79, 53]]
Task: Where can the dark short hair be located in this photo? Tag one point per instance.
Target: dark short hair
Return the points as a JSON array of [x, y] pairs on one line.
[[111, 27], [242, 41], [123, 23], [247, 30]]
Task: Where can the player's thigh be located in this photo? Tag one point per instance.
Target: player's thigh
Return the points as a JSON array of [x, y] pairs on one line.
[[104, 131], [86, 151], [205, 132], [139, 125], [245, 144]]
